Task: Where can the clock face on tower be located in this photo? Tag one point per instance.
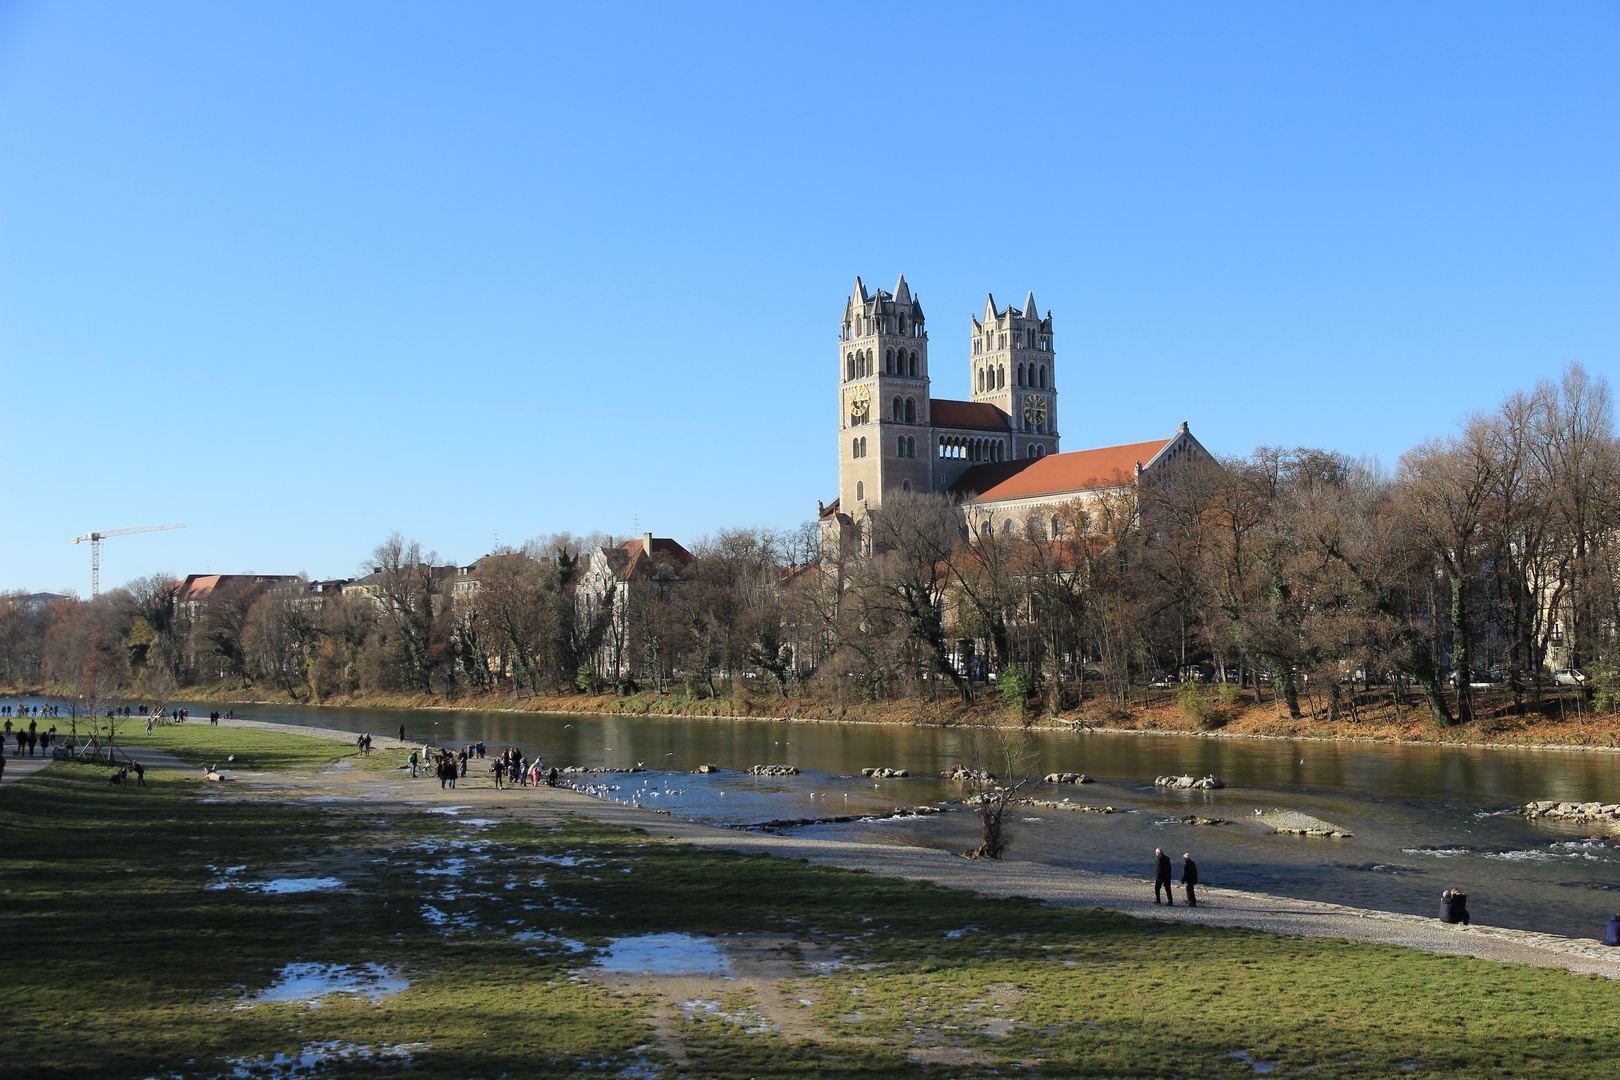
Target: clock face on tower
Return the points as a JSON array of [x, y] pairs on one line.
[[860, 405], [1035, 410]]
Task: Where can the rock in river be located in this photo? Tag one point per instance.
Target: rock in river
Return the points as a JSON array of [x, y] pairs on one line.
[[1068, 778], [1208, 783]]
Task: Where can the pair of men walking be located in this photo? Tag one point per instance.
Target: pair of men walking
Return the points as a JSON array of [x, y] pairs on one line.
[[1161, 878]]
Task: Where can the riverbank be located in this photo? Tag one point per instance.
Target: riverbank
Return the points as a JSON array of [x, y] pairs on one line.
[[542, 933], [1498, 727], [1063, 886]]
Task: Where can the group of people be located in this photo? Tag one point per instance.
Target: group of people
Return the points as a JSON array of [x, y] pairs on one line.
[[30, 738], [29, 710], [510, 767], [1162, 878]]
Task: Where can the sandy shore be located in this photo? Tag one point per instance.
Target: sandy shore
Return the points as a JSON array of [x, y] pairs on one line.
[[1055, 885]]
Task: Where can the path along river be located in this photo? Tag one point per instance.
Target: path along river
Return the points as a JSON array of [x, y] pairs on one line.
[[1424, 817]]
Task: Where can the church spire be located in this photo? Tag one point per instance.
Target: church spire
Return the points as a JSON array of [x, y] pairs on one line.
[[902, 295], [1030, 311]]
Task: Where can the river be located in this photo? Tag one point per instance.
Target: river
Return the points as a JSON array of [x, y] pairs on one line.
[[1424, 817]]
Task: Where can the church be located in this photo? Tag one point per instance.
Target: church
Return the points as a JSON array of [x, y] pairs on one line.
[[998, 451]]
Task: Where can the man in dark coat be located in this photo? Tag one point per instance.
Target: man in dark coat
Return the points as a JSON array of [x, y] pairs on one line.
[[1454, 907], [1189, 878], [1161, 877], [1611, 936]]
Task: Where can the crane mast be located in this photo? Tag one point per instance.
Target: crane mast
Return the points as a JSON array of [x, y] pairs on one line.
[[96, 537]]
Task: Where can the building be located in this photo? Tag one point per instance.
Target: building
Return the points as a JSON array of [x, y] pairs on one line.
[[605, 585], [998, 451]]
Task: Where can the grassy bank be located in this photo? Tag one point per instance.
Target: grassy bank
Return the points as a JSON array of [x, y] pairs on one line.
[[136, 943]]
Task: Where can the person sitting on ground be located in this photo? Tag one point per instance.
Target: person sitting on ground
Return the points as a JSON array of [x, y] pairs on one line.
[[1611, 936], [1454, 907]]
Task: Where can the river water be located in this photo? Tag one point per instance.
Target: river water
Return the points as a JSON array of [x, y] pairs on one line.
[[1424, 817]]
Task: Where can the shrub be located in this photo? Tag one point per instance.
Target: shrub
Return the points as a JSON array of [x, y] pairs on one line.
[[1014, 689], [1229, 693], [1193, 705]]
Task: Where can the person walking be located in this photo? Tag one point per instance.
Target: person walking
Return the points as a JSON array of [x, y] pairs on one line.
[[402, 733], [1161, 877], [1189, 879], [413, 764], [140, 773]]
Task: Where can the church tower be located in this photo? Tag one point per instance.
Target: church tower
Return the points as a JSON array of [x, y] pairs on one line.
[[883, 431], [1013, 369]]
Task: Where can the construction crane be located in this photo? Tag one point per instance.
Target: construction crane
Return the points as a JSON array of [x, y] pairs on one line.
[[96, 538]]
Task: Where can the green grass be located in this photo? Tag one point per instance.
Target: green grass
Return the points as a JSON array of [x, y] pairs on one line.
[[256, 750], [120, 961]]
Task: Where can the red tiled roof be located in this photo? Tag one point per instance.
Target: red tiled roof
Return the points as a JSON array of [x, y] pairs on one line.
[[966, 414], [1054, 474], [639, 560]]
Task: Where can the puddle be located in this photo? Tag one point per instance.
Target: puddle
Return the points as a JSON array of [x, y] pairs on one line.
[[230, 877], [450, 866], [277, 886], [448, 809], [331, 798], [313, 1055], [565, 860], [310, 982], [665, 954], [750, 1019], [1248, 1059], [550, 939], [480, 821]]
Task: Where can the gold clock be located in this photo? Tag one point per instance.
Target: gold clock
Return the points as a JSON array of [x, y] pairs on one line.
[[1035, 410], [860, 405]]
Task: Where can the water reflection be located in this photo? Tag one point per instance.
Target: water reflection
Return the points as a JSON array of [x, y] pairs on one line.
[[1403, 803]]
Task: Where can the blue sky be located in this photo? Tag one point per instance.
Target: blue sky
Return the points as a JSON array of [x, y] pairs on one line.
[[300, 275]]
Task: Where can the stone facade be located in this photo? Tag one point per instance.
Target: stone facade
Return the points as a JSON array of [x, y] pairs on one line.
[[997, 451], [893, 435]]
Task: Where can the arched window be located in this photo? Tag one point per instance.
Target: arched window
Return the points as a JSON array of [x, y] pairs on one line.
[[911, 446], [1040, 451], [888, 362], [1043, 376], [863, 446], [905, 485], [849, 366], [900, 447], [860, 491], [1057, 527], [896, 410], [902, 325], [914, 363], [911, 410], [1020, 375], [1001, 376], [854, 448], [981, 380]]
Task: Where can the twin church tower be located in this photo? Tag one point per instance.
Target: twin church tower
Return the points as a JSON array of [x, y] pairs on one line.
[[893, 436]]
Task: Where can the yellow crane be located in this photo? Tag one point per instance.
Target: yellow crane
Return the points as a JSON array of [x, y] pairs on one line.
[[96, 538]]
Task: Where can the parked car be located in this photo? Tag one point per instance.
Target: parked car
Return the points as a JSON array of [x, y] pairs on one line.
[[1569, 676], [1162, 680], [1478, 680]]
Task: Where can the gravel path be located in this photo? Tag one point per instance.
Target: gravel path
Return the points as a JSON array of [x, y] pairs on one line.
[[1056, 885]]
